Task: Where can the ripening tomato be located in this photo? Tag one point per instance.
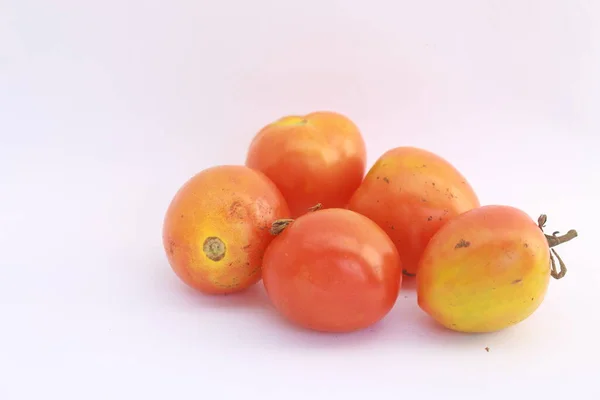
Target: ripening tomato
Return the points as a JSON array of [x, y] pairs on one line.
[[485, 270], [315, 158], [216, 228], [332, 270], [411, 193]]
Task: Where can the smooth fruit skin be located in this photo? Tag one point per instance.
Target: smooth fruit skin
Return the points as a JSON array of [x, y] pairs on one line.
[[332, 270], [485, 270], [316, 158], [216, 228], [411, 193]]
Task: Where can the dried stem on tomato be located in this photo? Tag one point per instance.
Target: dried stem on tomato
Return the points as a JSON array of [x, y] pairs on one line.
[[554, 240], [279, 225]]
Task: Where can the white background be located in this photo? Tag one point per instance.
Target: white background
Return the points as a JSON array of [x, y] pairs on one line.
[[107, 107]]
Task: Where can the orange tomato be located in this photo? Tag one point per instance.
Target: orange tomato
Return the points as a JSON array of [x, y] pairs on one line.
[[216, 228], [315, 158], [485, 270], [411, 193], [332, 270]]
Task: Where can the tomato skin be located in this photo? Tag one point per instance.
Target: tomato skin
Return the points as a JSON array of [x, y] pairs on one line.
[[316, 158], [485, 270], [332, 270], [411, 193], [216, 228]]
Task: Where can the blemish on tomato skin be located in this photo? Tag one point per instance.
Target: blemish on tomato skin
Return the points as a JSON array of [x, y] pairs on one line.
[[171, 247], [516, 281], [462, 243], [236, 210], [254, 270], [386, 180]]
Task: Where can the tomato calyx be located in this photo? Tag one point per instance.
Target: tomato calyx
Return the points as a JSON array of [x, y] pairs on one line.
[[316, 207], [554, 240], [279, 225]]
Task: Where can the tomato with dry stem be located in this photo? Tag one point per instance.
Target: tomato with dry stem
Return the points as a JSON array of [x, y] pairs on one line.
[[332, 270], [411, 193], [216, 228], [315, 158], [487, 269]]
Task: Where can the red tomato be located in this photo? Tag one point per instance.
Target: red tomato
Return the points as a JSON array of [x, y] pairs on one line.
[[316, 158], [332, 270], [411, 193]]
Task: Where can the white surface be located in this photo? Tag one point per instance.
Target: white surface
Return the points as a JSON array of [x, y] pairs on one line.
[[106, 107]]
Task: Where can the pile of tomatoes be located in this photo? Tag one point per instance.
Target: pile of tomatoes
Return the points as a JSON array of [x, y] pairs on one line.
[[333, 242]]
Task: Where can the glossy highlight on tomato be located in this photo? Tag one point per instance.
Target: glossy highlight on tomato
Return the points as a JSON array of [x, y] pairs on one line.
[[315, 158], [411, 193], [216, 228], [332, 270]]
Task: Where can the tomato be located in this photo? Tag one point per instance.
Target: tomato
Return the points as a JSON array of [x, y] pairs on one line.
[[315, 158], [486, 270], [216, 228], [411, 193], [332, 270]]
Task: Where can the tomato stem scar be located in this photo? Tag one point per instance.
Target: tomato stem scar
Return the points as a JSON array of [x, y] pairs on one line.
[[214, 248], [553, 241]]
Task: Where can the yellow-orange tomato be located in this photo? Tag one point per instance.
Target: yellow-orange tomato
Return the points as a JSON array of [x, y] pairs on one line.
[[485, 270], [216, 228], [315, 158], [411, 193]]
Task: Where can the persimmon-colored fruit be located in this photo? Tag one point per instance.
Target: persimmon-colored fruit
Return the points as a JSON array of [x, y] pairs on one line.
[[315, 158], [216, 228], [487, 269], [332, 270], [411, 193]]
